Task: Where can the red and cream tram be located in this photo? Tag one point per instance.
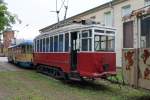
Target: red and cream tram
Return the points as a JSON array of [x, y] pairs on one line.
[[77, 51]]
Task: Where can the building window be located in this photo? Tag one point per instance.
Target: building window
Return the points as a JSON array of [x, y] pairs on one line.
[[147, 2], [126, 10], [108, 18], [66, 42], [61, 43]]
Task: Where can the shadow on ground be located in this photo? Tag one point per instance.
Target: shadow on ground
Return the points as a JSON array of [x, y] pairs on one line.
[[87, 85]]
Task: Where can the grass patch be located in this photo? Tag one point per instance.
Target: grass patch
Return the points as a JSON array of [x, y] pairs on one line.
[[29, 85]]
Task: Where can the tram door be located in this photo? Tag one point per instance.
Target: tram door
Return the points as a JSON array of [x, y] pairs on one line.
[[73, 58]]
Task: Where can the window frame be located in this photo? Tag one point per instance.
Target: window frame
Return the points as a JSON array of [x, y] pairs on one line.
[[89, 37], [124, 8]]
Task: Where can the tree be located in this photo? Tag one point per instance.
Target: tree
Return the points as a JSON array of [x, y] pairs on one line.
[[6, 18]]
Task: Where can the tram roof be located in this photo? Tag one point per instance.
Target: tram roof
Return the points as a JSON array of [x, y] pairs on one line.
[[75, 27], [26, 42]]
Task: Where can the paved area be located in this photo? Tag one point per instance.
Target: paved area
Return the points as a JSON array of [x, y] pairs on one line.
[[5, 66]]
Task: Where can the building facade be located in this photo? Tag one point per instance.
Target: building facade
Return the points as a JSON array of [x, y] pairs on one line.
[[8, 37]]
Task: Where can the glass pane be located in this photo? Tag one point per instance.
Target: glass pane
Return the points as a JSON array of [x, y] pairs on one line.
[[110, 32], [47, 44], [103, 43], [111, 43], [84, 34], [44, 45], [100, 43], [61, 43], [90, 44], [108, 19], [84, 44], [66, 42], [41, 45], [35, 46], [38, 46], [90, 33], [56, 44], [99, 31], [126, 10], [97, 43], [51, 44]]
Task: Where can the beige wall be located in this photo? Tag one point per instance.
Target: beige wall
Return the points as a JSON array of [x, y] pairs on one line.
[[117, 22]]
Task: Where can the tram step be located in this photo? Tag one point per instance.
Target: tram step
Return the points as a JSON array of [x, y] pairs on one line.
[[74, 75]]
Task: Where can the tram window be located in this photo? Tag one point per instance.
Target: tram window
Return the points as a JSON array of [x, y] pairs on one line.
[[40, 45], [100, 43], [47, 44], [51, 44], [66, 42], [111, 43], [110, 32], [34, 45], [85, 34], [86, 40], [84, 44], [61, 43], [104, 43], [90, 44], [29, 49], [23, 49], [55, 43], [44, 45], [99, 31]]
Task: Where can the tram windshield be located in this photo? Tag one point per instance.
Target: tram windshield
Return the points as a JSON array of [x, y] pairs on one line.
[[104, 43], [104, 40]]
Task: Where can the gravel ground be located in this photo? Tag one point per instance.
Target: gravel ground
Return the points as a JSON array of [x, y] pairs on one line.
[[5, 66]]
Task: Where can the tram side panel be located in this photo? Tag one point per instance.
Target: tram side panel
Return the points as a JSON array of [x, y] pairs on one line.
[[92, 65], [59, 60], [96, 65]]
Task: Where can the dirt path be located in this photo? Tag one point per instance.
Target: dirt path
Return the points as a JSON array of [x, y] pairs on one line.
[[5, 66]]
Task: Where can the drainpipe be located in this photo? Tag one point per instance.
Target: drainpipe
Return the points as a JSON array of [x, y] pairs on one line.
[[112, 8]]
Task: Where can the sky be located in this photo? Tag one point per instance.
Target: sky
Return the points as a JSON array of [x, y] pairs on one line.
[[37, 14]]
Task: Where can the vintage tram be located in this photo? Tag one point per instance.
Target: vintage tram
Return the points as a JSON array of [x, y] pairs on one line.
[[21, 54], [76, 51]]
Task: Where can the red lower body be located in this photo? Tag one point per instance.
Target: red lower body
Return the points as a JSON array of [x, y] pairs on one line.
[[89, 64]]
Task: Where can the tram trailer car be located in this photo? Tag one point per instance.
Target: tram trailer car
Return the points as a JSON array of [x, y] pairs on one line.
[[76, 51], [21, 54]]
